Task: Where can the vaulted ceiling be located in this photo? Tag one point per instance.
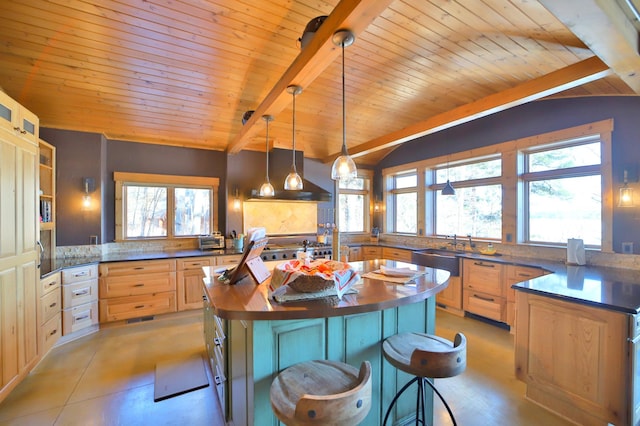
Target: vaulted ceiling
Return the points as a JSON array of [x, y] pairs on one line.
[[183, 72]]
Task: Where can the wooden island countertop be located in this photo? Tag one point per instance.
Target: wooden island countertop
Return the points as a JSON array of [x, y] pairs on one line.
[[248, 301]]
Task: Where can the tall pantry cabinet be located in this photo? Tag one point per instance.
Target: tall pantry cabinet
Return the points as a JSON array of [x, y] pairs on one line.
[[19, 256]]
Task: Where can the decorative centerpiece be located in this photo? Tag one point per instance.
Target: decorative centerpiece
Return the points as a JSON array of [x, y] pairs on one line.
[[321, 275]]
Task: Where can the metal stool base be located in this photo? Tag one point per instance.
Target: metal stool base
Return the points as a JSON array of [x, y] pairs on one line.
[[420, 409]]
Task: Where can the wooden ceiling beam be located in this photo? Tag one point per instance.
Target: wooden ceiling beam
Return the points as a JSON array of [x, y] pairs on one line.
[[355, 15], [603, 26], [566, 78]]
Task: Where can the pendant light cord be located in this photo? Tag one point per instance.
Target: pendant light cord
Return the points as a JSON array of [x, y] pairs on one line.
[[266, 148], [344, 115], [293, 132]]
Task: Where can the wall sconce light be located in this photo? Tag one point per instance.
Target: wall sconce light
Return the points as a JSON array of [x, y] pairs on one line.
[[236, 201], [626, 192], [88, 185]]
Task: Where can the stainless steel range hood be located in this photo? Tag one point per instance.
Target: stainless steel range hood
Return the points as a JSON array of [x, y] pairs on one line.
[[279, 167]]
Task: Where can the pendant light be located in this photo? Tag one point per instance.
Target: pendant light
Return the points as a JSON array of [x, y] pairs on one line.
[[448, 189], [343, 167], [293, 181], [266, 190]]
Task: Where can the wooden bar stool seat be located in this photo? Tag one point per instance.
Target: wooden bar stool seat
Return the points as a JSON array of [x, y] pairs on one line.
[[322, 393], [426, 357]]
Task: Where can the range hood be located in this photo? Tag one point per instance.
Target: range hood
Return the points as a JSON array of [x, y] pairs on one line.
[[279, 167]]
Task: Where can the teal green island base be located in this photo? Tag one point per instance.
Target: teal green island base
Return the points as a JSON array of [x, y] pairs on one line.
[[247, 354]]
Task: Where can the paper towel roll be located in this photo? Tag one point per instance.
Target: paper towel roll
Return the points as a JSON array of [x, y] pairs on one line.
[[575, 251]]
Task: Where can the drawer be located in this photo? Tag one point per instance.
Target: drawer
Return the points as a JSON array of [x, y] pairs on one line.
[[79, 273], [50, 283], [50, 305], [396, 254], [121, 308], [194, 263], [50, 332], [79, 293], [485, 277], [120, 286], [516, 274], [369, 253], [218, 330], [229, 260], [137, 267], [79, 317], [484, 305]]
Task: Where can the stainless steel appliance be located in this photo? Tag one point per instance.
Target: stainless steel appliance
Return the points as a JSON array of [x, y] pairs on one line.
[[287, 248], [634, 376], [211, 242]]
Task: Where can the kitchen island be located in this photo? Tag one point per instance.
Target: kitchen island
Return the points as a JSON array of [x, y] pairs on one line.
[[250, 338]]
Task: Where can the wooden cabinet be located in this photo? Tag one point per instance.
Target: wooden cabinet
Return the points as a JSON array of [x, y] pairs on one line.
[[49, 312], [401, 255], [19, 255], [80, 300], [371, 252], [189, 276], [47, 197], [355, 254], [136, 289], [216, 345], [574, 359], [483, 289], [513, 275], [231, 259], [450, 299]]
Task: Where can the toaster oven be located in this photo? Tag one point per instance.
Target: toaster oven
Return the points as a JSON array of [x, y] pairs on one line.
[[211, 242]]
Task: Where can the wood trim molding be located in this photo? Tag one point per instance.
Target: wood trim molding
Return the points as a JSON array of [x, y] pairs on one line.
[[166, 179]]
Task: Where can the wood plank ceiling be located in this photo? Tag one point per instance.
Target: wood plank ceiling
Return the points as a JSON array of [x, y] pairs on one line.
[[183, 72]]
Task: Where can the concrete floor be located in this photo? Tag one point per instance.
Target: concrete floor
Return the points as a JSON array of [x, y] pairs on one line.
[[107, 379]]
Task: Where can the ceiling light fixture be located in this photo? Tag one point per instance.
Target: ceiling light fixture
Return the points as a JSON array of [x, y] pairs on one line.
[[343, 167], [266, 190], [448, 188], [626, 192], [293, 181]]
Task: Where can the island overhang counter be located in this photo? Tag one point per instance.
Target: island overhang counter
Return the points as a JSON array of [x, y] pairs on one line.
[[250, 338]]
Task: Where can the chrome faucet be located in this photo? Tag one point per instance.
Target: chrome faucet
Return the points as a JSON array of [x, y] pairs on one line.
[[472, 245], [454, 244]]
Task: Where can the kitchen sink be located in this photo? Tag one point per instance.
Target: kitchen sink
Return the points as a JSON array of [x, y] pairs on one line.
[[438, 258]]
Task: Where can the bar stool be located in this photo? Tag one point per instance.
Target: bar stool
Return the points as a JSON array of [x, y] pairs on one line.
[[425, 356], [321, 393]]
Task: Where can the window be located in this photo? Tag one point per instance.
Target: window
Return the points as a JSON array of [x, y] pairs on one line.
[[353, 204], [158, 206], [404, 199], [563, 193], [476, 207]]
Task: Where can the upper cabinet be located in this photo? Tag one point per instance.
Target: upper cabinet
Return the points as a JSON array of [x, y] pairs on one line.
[[47, 169], [18, 120]]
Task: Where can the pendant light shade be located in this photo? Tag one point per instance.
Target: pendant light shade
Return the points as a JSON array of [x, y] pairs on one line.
[[343, 167], [266, 190], [448, 189], [293, 181]]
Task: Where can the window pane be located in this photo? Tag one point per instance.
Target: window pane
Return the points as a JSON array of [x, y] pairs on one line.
[[351, 214], [571, 156], [192, 208], [485, 169], [475, 210], [560, 209], [146, 214], [406, 181], [406, 212], [355, 183]]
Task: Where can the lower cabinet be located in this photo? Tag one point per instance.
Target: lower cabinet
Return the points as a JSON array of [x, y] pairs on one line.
[[450, 299], [246, 356], [371, 252], [401, 255], [355, 254], [189, 276], [79, 299], [136, 289], [513, 275], [483, 289], [49, 312], [575, 359]]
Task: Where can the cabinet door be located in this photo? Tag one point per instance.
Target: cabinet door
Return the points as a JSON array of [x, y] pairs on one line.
[[371, 253], [189, 282], [482, 276], [396, 254], [451, 297], [8, 326]]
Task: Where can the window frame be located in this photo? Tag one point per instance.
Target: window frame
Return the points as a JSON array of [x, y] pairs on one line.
[[512, 184], [390, 195], [123, 179], [368, 204]]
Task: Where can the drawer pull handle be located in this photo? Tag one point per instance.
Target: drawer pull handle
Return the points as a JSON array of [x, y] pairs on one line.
[[484, 265], [80, 274], [52, 283], [139, 306], [218, 380], [217, 341], [139, 285], [81, 317], [139, 268], [486, 299], [522, 274], [81, 292], [54, 331], [53, 304]]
